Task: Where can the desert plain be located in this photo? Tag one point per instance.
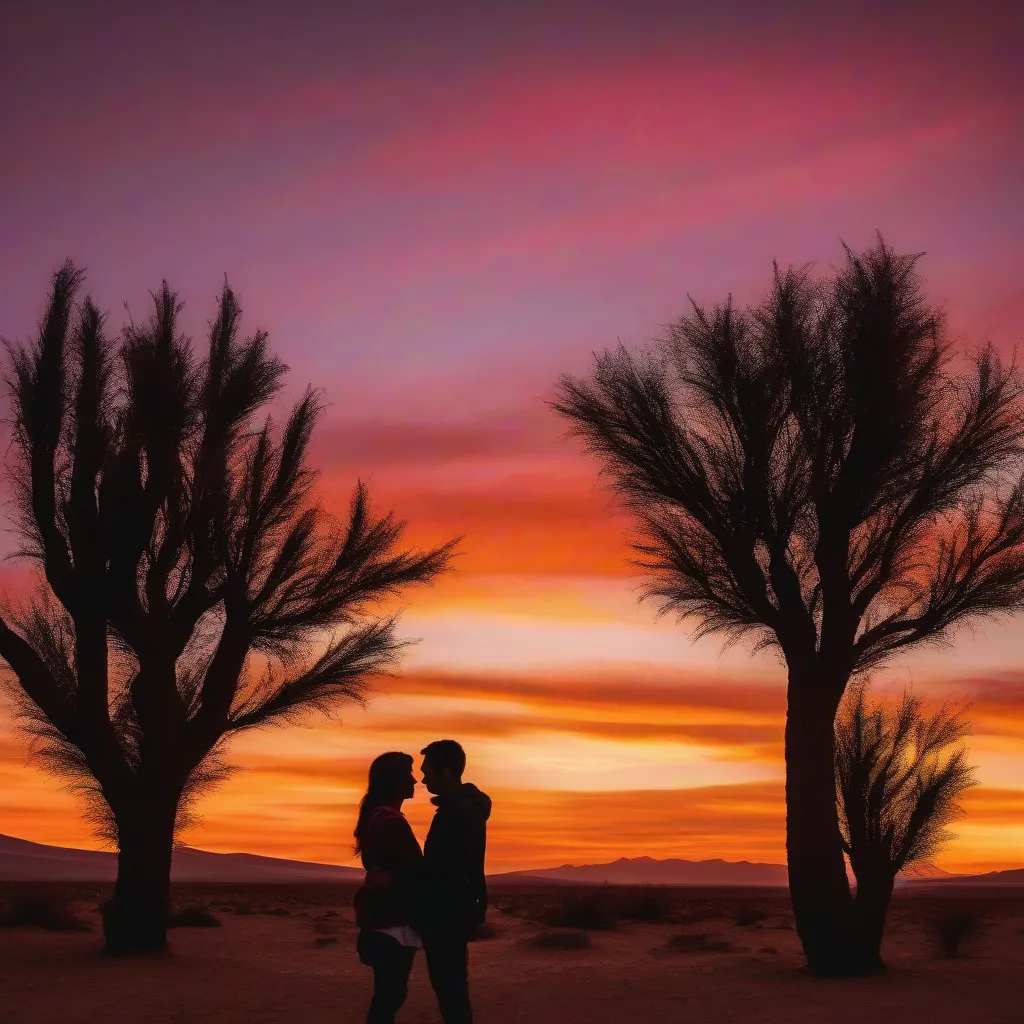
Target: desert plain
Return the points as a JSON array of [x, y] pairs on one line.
[[284, 954]]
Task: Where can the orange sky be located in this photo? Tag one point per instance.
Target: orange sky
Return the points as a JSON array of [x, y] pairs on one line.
[[434, 218]]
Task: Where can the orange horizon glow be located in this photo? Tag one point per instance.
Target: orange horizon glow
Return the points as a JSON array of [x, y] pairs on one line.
[[435, 219], [637, 761]]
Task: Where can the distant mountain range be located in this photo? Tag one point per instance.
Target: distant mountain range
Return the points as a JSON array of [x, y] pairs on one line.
[[1013, 876], [22, 861], [648, 871]]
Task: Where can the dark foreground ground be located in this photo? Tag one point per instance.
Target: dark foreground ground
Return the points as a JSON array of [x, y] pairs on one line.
[[285, 954]]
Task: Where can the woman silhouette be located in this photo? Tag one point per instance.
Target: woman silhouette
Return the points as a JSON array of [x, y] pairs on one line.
[[384, 904]]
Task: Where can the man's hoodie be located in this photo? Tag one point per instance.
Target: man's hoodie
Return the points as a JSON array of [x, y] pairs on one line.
[[455, 891]]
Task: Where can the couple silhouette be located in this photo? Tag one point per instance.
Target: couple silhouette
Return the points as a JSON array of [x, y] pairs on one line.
[[432, 899]]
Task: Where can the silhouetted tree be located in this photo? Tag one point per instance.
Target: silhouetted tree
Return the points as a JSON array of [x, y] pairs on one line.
[[820, 474], [192, 588], [900, 772]]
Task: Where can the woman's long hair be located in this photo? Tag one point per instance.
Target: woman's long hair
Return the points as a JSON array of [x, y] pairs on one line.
[[388, 775]]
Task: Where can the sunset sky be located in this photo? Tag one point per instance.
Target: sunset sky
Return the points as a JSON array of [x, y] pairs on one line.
[[437, 209]]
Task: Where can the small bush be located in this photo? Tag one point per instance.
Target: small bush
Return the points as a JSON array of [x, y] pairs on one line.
[[696, 914], [771, 950], [47, 909], [485, 931], [243, 909], [561, 940], [277, 912], [720, 946], [193, 917], [590, 911], [747, 916], [688, 942], [954, 928], [324, 927], [510, 906], [325, 940], [652, 907]]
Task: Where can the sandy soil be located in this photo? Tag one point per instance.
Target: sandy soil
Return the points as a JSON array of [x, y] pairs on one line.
[[264, 966]]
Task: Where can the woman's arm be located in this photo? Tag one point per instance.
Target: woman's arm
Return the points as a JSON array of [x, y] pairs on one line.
[[402, 850]]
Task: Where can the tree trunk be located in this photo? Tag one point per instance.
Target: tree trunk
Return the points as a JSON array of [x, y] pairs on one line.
[[822, 904], [874, 894], [136, 921]]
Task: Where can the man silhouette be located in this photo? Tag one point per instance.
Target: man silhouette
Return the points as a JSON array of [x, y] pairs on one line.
[[454, 890]]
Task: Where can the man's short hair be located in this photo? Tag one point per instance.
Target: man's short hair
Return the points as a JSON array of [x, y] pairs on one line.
[[446, 754]]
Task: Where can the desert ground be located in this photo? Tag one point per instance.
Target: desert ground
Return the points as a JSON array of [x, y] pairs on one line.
[[285, 953]]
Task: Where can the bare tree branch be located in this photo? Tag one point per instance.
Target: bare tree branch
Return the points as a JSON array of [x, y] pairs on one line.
[[38, 386], [340, 674]]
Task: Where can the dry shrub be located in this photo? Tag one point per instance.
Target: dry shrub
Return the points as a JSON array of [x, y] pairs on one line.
[[485, 931], [325, 940], [193, 916], [953, 928], [49, 909], [653, 906], [771, 950], [591, 911], [276, 912], [324, 927], [695, 913], [561, 940], [746, 916], [243, 909], [689, 942]]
